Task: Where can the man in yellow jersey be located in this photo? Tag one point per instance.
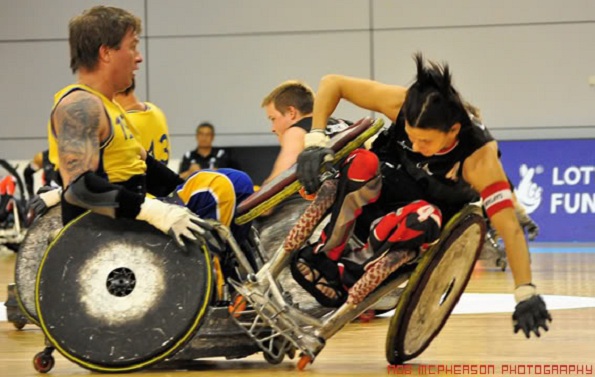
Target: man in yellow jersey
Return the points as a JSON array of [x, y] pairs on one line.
[[150, 122], [102, 164], [98, 151]]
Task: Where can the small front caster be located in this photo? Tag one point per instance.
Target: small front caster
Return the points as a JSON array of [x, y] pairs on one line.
[[43, 362], [303, 362]]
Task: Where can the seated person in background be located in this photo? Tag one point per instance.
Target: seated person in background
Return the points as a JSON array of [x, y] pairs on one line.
[[40, 161], [205, 156], [289, 108], [150, 123]]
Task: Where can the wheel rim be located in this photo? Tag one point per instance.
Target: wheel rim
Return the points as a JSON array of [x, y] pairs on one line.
[[441, 292]]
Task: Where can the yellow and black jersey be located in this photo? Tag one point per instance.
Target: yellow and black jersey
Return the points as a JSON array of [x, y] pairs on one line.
[[120, 153], [154, 133]]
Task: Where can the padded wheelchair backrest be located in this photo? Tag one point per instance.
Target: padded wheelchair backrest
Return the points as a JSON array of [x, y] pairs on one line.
[[286, 183]]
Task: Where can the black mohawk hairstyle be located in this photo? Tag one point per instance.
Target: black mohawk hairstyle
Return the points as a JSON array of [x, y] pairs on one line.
[[432, 102]]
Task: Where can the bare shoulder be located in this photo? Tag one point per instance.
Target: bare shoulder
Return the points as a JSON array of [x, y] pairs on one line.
[[79, 105], [80, 109], [81, 101], [483, 167], [293, 131], [293, 136]]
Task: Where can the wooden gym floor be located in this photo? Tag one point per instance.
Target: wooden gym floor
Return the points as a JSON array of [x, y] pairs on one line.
[[482, 338]]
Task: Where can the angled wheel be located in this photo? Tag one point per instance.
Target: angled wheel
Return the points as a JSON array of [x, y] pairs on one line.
[[118, 295], [29, 257], [435, 287]]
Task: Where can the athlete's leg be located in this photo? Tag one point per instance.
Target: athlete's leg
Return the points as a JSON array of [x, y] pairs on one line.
[[315, 266], [396, 239], [359, 184], [216, 194]]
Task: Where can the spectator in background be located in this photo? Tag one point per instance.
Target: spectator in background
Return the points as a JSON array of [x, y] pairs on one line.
[[205, 156], [150, 123]]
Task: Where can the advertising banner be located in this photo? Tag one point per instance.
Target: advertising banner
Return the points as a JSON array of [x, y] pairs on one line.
[[555, 181]]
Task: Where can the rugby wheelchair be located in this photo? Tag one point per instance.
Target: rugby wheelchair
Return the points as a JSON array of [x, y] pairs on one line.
[[119, 296], [12, 207]]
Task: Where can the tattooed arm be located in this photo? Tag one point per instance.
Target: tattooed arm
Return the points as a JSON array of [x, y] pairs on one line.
[[80, 123]]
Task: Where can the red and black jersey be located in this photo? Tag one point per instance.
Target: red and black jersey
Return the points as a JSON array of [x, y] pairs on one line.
[[409, 176]]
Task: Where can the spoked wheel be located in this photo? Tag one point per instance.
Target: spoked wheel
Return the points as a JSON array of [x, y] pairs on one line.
[[435, 287]]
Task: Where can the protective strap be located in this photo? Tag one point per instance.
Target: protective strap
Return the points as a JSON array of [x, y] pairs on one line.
[[161, 180], [94, 193], [497, 197], [320, 266]]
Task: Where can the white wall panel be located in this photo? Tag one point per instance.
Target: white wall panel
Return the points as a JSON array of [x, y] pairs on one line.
[[27, 91], [34, 71], [521, 76], [35, 19], [207, 17], [525, 62], [436, 13], [224, 79]]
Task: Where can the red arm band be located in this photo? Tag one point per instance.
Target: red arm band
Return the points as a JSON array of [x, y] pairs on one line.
[[496, 197]]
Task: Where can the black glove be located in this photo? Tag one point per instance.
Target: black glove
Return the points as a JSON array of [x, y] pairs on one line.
[[309, 163], [531, 314], [46, 198]]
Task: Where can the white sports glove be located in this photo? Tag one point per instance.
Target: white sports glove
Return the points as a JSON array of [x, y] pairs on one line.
[[315, 138], [177, 221]]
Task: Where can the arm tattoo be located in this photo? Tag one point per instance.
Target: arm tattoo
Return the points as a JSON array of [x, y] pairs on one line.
[[78, 137]]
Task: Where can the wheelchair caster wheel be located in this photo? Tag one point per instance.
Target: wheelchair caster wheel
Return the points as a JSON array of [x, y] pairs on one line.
[[43, 362], [501, 263], [237, 307], [274, 360], [303, 362], [19, 325]]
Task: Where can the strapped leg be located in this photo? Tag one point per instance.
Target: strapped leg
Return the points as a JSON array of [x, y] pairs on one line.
[[306, 224], [396, 239], [315, 267], [377, 272], [359, 184], [319, 276]]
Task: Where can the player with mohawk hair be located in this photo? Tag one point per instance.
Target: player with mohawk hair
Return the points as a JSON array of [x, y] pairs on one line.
[[432, 161]]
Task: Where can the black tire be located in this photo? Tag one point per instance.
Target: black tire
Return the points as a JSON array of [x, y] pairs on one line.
[[115, 296], [29, 256], [43, 362], [435, 287]]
